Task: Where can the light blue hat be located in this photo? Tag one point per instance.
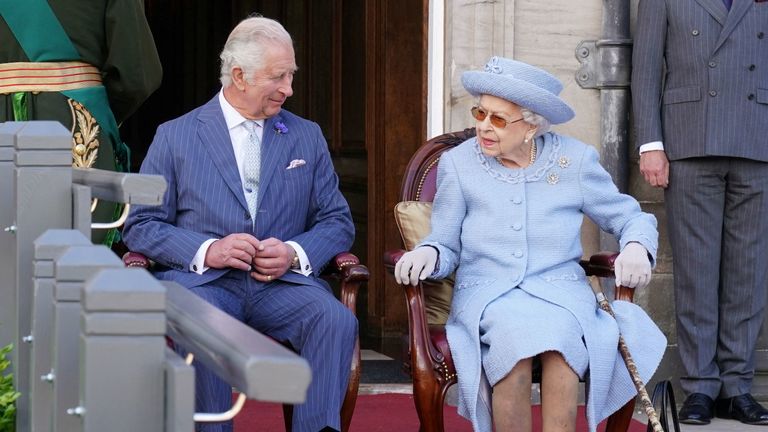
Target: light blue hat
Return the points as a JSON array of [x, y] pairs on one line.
[[520, 83]]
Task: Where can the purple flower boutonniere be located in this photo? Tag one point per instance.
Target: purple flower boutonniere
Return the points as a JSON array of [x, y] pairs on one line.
[[281, 128]]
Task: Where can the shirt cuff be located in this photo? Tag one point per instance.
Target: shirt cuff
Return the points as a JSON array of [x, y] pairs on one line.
[[651, 146], [305, 267], [198, 262]]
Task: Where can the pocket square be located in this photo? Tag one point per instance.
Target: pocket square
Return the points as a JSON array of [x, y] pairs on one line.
[[296, 163]]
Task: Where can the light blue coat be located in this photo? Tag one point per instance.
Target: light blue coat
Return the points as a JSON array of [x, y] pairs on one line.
[[503, 228]]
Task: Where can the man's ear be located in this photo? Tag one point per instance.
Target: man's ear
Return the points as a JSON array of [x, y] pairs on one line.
[[238, 78]]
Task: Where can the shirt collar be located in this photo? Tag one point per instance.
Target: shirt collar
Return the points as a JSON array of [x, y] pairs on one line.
[[231, 116]]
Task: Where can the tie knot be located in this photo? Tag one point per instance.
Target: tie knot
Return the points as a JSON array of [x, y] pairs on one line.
[[251, 126]]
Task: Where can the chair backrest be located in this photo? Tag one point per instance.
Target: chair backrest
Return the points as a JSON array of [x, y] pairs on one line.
[[420, 181]]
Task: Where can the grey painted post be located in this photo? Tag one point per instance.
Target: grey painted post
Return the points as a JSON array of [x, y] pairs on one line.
[[47, 247], [71, 270], [42, 180], [122, 343], [8, 132]]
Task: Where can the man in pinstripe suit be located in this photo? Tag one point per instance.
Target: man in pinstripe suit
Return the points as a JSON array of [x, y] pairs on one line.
[[700, 99], [251, 237]]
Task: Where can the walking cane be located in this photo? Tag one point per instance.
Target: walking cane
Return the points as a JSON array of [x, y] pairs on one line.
[[645, 400]]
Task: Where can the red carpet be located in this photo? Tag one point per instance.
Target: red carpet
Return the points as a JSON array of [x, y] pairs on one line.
[[379, 413]]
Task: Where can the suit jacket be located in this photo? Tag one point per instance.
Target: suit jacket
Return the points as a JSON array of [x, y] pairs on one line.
[[700, 77], [205, 196], [504, 229]]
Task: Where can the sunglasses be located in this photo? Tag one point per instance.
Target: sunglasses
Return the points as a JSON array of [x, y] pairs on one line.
[[500, 122]]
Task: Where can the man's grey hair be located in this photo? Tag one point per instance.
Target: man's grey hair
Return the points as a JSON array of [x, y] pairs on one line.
[[247, 45], [531, 117]]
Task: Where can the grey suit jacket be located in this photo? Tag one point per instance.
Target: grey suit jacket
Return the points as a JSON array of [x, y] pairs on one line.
[[700, 77]]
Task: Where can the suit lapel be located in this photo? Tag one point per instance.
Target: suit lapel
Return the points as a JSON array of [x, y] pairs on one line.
[[215, 137], [716, 8], [274, 147], [738, 10]]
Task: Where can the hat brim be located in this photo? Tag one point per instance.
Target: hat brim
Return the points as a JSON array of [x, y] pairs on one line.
[[522, 93]]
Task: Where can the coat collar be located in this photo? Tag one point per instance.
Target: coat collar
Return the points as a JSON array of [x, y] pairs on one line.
[[716, 8], [214, 133], [738, 10]]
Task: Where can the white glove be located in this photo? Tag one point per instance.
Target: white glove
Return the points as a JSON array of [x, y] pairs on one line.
[[416, 265], [632, 266]]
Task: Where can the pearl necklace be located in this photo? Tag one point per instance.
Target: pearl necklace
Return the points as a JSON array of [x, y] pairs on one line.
[[531, 160]]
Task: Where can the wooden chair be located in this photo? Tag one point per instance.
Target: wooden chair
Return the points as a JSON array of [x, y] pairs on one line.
[[429, 360], [347, 270]]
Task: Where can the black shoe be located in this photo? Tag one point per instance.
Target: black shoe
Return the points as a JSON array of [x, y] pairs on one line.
[[697, 409], [743, 408]]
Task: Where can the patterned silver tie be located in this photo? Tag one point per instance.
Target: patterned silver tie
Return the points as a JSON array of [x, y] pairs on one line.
[[252, 167]]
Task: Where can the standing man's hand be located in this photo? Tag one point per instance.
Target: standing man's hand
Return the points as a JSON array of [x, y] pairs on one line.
[[235, 251], [655, 168], [272, 259]]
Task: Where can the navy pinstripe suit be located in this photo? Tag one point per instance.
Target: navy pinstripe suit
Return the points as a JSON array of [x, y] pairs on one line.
[[700, 85], [205, 200]]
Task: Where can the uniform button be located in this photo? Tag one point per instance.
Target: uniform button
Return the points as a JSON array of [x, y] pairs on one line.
[[517, 227], [518, 254], [712, 93], [751, 67], [760, 35], [751, 97], [695, 32], [712, 64]]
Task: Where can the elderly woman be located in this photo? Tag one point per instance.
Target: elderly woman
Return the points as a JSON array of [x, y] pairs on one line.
[[507, 218]]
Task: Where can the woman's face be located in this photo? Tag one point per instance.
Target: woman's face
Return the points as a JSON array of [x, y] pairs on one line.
[[506, 141]]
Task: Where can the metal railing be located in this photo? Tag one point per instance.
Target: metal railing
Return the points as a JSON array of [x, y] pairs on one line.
[[90, 334]]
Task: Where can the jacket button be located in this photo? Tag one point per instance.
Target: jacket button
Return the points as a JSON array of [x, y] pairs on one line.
[[751, 97], [751, 67], [712, 64], [712, 93], [695, 32]]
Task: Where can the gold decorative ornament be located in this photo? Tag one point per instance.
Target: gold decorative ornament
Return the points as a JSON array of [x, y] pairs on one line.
[[85, 130]]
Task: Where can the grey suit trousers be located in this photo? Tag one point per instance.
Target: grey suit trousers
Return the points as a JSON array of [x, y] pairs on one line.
[[718, 227]]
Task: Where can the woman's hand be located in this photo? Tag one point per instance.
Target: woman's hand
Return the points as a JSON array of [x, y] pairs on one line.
[[416, 265], [632, 266]]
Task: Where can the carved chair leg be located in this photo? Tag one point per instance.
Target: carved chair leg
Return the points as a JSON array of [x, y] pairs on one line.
[[619, 421], [288, 417], [429, 406], [350, 399]]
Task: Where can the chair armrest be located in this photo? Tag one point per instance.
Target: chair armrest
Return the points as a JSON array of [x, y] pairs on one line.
[[601, 265], [347, 269], [135, 259]]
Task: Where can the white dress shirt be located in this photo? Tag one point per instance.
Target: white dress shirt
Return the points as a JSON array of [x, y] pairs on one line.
[[238, 134]]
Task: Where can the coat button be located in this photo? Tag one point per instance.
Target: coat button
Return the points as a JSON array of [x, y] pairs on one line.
[[695, 32], [751, 67], [712, 64], [751, 97], [712, 93]]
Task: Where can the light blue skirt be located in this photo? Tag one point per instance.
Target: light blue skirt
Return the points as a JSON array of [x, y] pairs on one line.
[[518, 325]]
